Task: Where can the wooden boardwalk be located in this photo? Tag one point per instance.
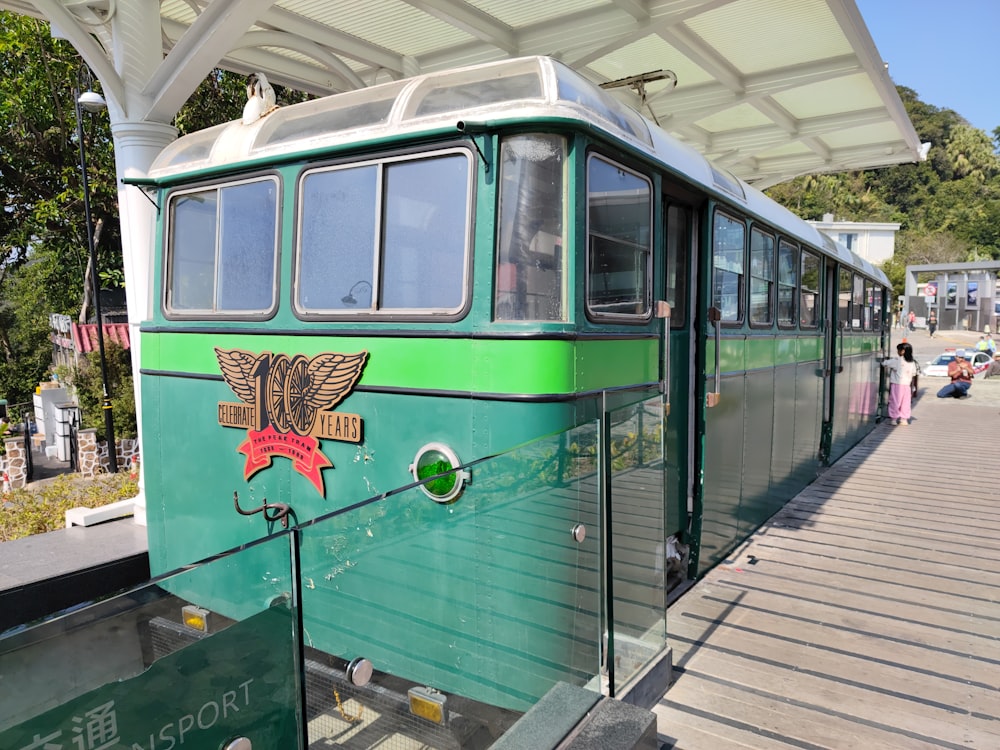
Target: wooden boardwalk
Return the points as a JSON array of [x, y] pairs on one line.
[[865, 614]]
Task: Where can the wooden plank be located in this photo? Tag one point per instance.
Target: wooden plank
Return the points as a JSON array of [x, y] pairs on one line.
[[864, 614]]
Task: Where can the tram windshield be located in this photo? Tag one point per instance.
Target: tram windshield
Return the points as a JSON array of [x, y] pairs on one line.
[[386, 236], [530, 283]]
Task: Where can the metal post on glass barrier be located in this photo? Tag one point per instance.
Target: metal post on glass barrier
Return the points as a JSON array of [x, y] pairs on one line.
[[94, 102]]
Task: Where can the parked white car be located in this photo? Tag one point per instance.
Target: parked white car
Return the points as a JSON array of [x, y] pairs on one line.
[[938, 367]]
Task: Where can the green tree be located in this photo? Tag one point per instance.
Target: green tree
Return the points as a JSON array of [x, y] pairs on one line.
[[88, 381], [43, 237], [971, 154]]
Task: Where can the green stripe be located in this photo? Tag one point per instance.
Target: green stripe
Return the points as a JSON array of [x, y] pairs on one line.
[[530, 366], [758, 352]]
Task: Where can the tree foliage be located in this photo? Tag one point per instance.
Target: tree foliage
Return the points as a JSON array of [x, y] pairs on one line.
[[87, 380], [43, 233]]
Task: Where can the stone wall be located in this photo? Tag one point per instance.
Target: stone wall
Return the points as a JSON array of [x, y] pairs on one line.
[[93, 459], [94, 455], [14, 464]]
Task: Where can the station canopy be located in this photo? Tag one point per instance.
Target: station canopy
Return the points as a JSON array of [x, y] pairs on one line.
[[768, 89]]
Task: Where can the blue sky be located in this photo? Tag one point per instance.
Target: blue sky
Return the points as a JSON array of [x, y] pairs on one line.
[[948, 51]]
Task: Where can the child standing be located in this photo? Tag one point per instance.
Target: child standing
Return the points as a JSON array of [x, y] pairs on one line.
[[902, 369]]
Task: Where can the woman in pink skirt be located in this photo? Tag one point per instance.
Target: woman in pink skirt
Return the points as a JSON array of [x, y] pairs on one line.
[[902, 370]]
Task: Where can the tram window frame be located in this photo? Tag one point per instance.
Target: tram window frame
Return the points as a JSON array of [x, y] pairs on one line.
[[377, 276], [858, 304], [878, 306], [605, 248], [762, 247], [808, 257], [530, 278], [678, 234], [787, 283], [730, 252], [869, 321], [211, 242], [845, 295]]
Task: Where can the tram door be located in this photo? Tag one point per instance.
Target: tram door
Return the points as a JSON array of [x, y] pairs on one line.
[[645, 477], [831, 356]]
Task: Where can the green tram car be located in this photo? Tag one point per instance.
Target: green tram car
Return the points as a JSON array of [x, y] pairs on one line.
[[511, 364]]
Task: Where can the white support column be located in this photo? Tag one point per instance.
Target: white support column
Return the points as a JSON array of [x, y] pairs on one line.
[[136, 146]]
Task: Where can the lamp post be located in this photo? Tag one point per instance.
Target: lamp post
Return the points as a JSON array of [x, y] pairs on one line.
[[94, 102]]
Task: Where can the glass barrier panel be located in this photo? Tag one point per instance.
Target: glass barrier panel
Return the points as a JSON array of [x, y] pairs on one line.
[[195, 658], [477, 606], [637, 545]]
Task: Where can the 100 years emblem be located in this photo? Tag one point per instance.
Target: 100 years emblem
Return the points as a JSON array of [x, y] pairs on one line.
[[286, 406]]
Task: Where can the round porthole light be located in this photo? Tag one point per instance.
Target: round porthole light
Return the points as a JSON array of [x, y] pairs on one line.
[[439, 461]]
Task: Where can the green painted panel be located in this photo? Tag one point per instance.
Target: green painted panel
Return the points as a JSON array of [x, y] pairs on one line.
[[723, 472], [603, 364], [758, 425], [807, 425], [810, 348], [783, 439], [760, 352], [786, 351], [732, 355], [488, 596], [182, 491]]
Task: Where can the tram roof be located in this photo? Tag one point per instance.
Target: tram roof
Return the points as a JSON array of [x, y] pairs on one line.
[[768, 89], [477, 96]]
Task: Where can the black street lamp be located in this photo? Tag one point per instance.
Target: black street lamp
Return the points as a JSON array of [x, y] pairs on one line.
[[94, 102]]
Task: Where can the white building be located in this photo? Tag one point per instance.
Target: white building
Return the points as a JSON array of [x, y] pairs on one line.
[[873, 241]]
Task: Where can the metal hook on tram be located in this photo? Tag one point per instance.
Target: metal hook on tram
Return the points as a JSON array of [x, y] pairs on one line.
[[280, 510]]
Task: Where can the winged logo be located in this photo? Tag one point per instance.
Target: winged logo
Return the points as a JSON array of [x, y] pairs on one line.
[[289, 392], [287, 403]]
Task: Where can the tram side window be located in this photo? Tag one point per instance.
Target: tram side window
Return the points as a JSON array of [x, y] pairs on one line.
[[530, 283], [388, 236], [761, 277], [728, 237], [845, 288], [787, 281], [861, 319], [876, 307], [809, 291], [869, 321], [222, 250], [619, 229]]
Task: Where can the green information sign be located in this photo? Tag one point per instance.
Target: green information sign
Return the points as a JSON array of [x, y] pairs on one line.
[[240, 682]]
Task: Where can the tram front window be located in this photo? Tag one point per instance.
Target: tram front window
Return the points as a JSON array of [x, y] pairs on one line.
[[223, 249], [385, 237], [530, 243]]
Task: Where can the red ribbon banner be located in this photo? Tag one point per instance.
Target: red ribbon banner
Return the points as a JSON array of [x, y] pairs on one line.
[[303, 450]]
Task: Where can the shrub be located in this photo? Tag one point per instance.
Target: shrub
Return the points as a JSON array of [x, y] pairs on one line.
[[41, 508]]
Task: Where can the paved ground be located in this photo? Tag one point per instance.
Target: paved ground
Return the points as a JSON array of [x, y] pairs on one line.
[[47, 468]]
